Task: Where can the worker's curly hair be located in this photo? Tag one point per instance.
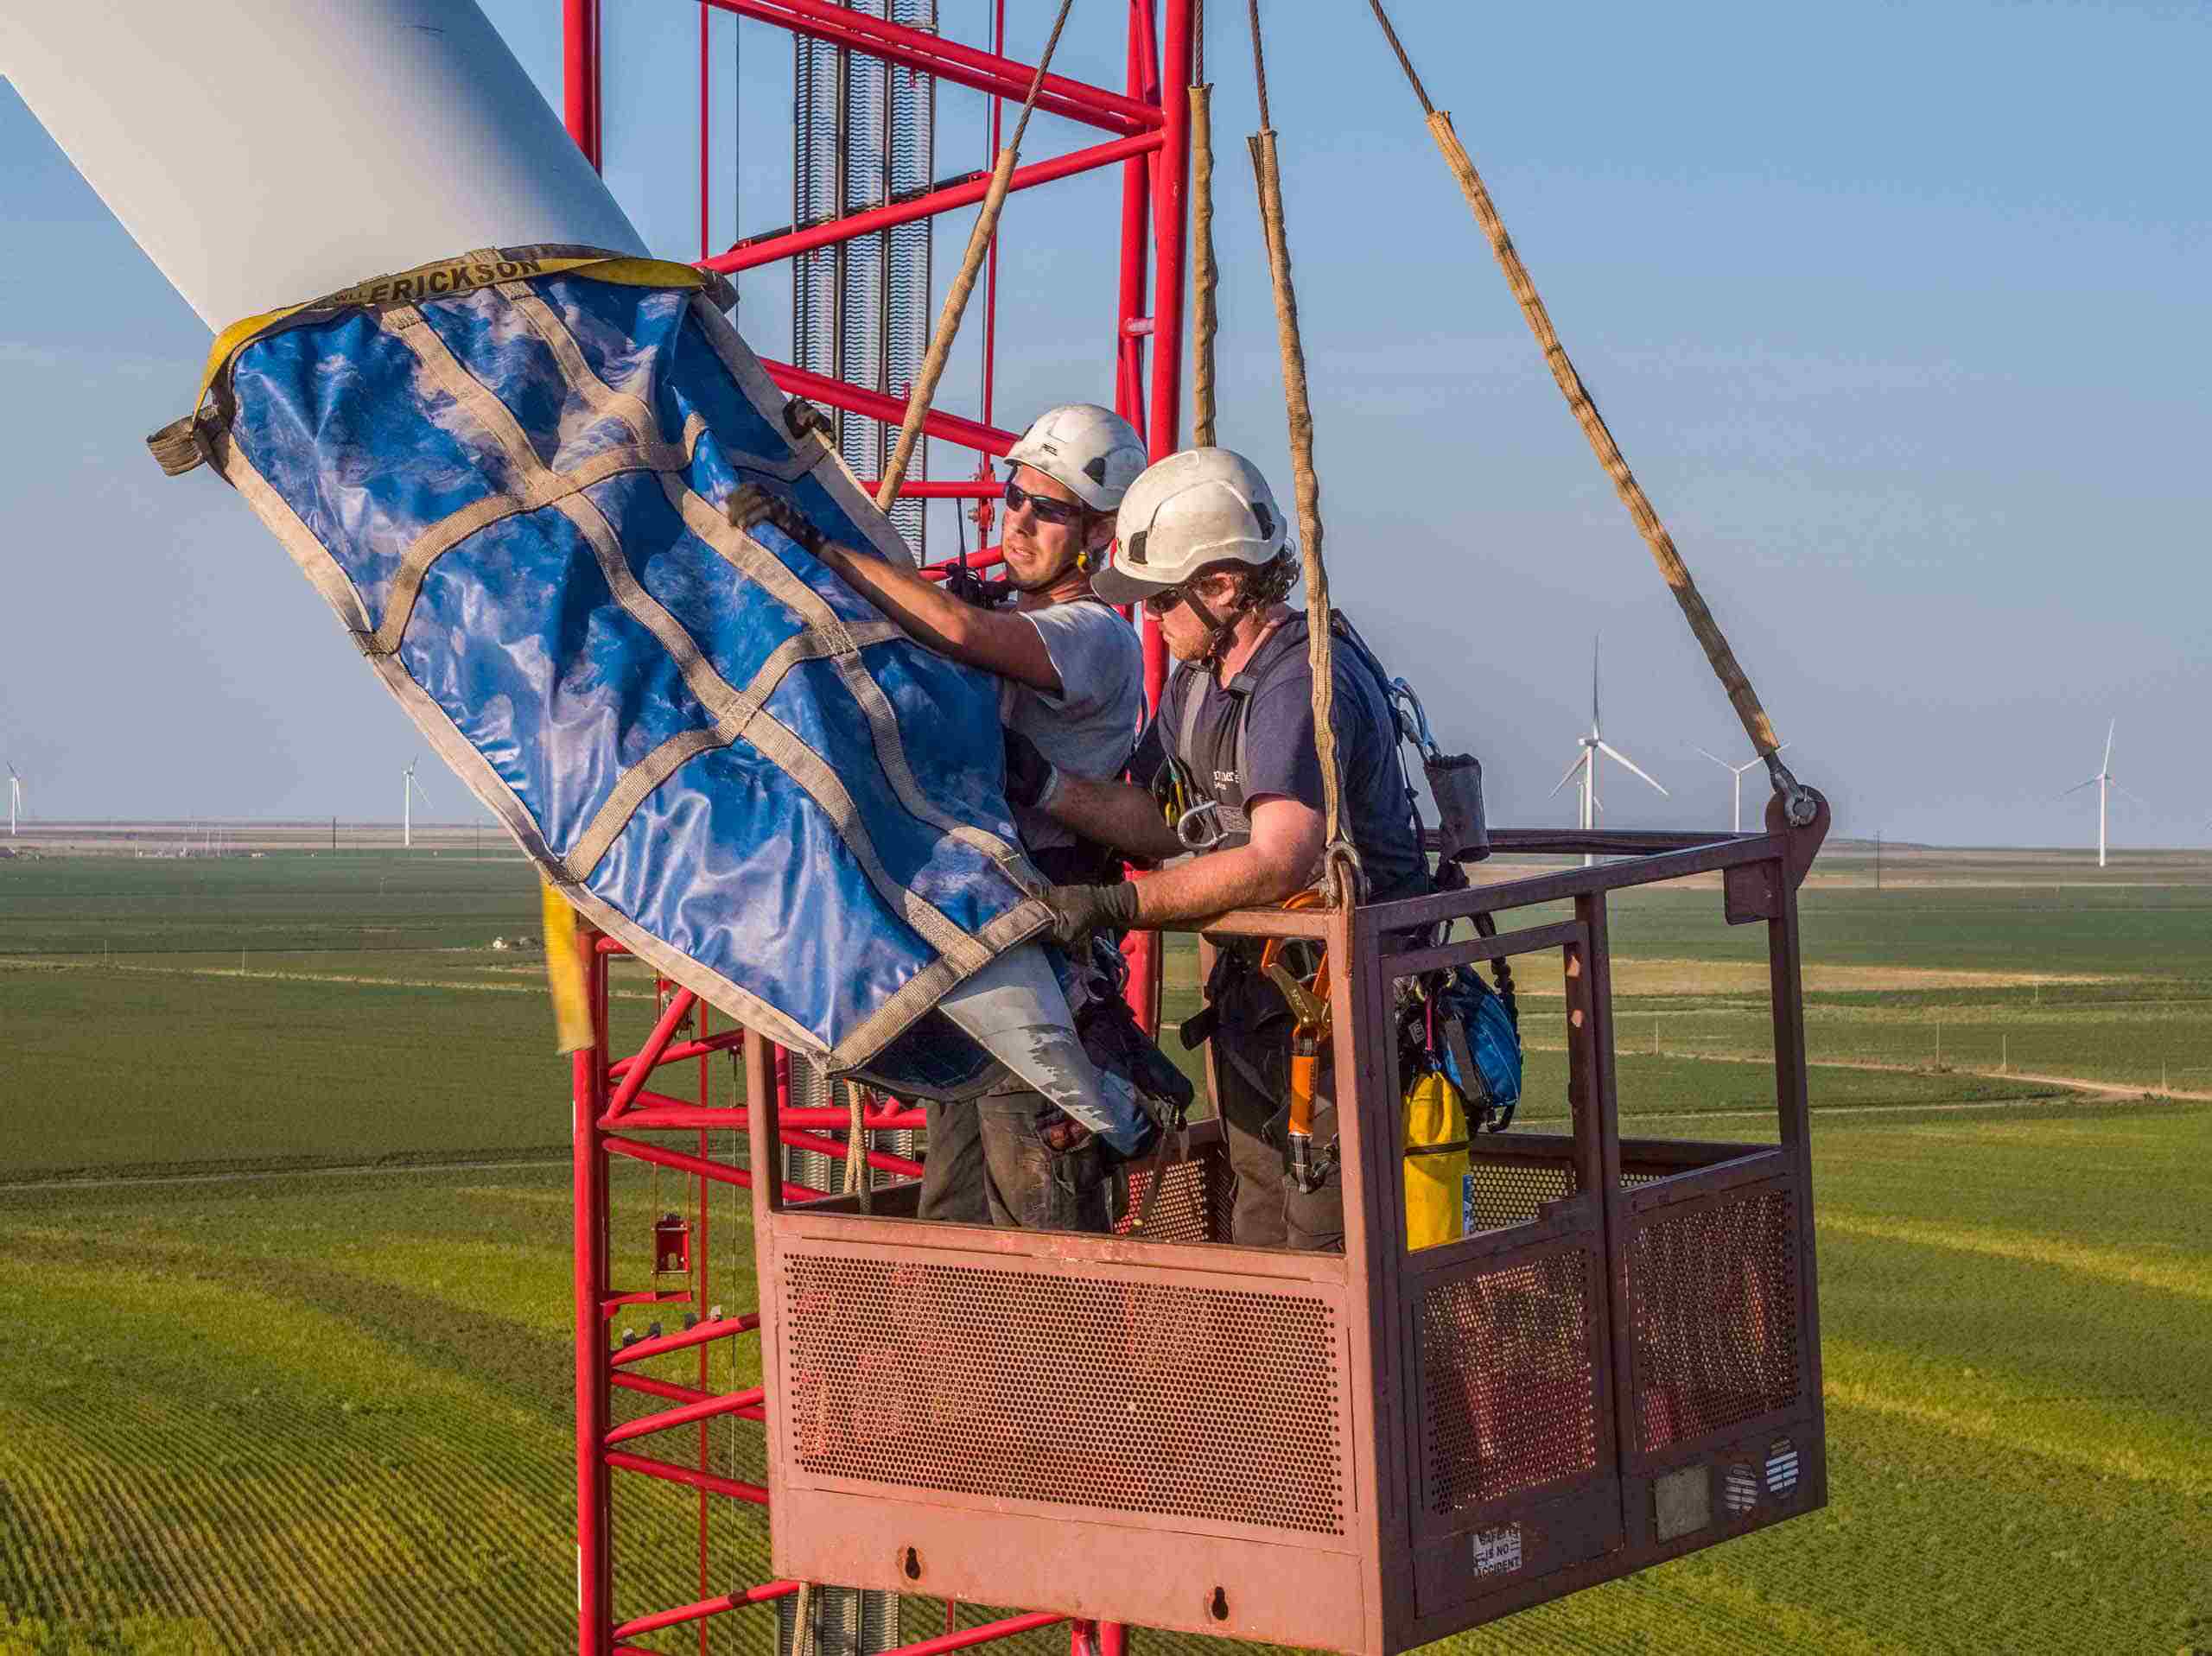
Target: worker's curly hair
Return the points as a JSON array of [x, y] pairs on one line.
[[1258, 586]]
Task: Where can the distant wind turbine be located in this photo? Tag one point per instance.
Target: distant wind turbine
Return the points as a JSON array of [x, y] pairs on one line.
[[1586, 763], [15, 798], [2106, 784], [407, 794], [1737, 770]]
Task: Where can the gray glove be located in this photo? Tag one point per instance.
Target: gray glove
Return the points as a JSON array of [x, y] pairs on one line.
[[751, 505], [1078, 910]]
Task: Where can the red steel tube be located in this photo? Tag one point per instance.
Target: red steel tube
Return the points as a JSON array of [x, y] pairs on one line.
[[705, 1606], [747, 256], [927, 490], [982, 1635], [580, 74], [646, 1425], [723, 1329], [589, 1191], [882, 1160], [686, 1117], [843, 394], [649, 1055], [669, 1116], [888, 1120], [623, 1461], [1170, 223], [678, 1393], [991, 274], [614, 1303], [948, 59], [719, 1172], [652, 1387], [706, 86], [680, 1051]]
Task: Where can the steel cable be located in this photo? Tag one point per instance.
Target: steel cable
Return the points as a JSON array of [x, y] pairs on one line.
[[1798, 803]]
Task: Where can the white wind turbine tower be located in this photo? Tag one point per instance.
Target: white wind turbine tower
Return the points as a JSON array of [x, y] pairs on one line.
[[410, 788], [2106, 784], [1593, 745], [1737, 771], [15, 798]]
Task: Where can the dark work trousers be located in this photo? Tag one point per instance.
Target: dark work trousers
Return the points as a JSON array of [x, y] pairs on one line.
[[1253, 1040], [999, 1171], [953, 1176]]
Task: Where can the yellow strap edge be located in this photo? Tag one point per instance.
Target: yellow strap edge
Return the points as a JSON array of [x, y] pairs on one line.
[[442, 279]]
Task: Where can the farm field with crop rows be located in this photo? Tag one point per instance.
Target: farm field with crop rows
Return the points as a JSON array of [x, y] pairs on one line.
[[259, 1393]]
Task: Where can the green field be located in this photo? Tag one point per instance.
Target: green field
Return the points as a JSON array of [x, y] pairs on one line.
[[259, 1393]]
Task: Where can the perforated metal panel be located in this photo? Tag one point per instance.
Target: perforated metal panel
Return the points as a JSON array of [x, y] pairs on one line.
[[1713, 1300], [1086, 1391], [1196, 1202], [1509, 1189], [1509, 1392]]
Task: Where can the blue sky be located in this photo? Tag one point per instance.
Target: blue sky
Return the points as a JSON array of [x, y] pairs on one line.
[[1898, 312]]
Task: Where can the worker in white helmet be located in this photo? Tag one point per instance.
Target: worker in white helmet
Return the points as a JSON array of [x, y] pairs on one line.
[[1074, 686], [1203, 545]]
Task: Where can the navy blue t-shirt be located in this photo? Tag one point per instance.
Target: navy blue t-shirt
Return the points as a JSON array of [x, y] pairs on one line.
[[1282, 761]]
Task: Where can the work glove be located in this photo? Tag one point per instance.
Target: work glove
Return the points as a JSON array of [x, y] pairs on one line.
[[751, 505], [1031, 779], [1078, 910], [964, 584]]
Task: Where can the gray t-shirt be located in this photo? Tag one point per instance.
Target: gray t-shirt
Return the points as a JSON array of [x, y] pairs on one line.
[[1088, 729]]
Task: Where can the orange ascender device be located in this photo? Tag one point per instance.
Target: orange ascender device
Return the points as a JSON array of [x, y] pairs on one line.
[[1308, 1000]]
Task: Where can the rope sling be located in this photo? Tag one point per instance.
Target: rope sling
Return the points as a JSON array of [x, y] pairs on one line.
[[1800, 805], [1206, 275], [964, 284], [1342, 876]]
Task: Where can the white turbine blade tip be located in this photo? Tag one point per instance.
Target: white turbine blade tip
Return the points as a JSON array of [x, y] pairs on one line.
[[1608, 748]]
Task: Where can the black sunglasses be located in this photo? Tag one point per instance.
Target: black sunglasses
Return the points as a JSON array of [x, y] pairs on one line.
[[1059, 512], [1162, 603]]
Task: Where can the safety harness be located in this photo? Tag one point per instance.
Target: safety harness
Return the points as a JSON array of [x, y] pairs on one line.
[[1202, 789]]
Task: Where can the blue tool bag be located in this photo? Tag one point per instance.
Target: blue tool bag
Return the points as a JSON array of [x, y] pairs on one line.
[[1478, 1048]]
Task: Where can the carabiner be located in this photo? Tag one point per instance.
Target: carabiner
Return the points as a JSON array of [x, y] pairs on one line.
[[1401, 691], [1195, 837]]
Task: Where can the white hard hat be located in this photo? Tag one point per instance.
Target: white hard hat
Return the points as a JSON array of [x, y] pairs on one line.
[[1092, 450], [1202, 506]]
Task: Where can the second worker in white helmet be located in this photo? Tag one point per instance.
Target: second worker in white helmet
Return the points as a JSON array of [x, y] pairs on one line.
[[1203, 545], [1073, 672]]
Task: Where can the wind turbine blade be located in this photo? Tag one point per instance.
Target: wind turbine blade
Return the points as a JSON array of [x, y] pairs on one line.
[[1716, 759], [2109, 729], [1593, 684], [2128, 793], [1609, 749], [1569, 776], [2078, 786], [1752, 765]]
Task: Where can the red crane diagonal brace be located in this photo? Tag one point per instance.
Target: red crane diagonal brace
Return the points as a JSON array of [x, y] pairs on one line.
[[951, 60], [770, 249]]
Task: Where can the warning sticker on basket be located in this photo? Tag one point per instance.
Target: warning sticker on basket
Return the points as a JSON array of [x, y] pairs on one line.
[[1497, 1551]]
